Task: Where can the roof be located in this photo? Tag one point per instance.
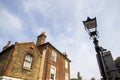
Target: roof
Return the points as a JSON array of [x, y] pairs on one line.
[[7, 49], [12, 46], [55, 49]]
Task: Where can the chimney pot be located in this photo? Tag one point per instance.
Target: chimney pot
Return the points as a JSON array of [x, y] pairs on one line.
[[7, 45], [41, 39], [65, 54]]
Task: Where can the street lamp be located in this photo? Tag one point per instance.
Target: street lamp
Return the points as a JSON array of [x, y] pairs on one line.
[[106, 63], [91, 27]]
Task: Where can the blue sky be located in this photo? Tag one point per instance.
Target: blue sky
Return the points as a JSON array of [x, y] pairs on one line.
[[24, 20]]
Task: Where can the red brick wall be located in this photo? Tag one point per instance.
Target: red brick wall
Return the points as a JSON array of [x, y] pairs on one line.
[[59, 64]]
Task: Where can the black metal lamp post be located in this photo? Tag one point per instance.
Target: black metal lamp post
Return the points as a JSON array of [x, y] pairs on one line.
[[105, 61], [91, 27]]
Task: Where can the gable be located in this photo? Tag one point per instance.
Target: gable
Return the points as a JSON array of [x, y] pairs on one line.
[[16, 67], [53, 48]]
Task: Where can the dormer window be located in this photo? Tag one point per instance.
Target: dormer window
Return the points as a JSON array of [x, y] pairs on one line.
[[28, 61], [53, 56]]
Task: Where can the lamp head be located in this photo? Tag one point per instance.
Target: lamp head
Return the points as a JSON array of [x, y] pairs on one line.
[[91, 26]]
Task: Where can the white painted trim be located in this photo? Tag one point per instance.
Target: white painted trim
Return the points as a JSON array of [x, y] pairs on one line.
[[66, 76], [8, 78], [42, 64], [66, 64], [53, 71], [54, 56]]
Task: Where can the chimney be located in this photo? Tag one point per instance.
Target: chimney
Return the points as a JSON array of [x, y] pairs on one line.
[[41, 39], [65, 54], [7, 45]]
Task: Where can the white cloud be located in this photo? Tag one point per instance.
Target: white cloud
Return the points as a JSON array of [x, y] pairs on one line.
[[9, 23], [37, 30], [11, 27], [37, 6], [93, 6], [53, 8]]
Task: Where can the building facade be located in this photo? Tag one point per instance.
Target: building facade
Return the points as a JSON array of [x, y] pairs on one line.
[[29, 61]]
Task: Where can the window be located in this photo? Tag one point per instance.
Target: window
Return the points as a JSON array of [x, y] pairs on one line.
[[66, 64], [52, 73], [52, 76], [53, 56], [28, 61], [66, 76]]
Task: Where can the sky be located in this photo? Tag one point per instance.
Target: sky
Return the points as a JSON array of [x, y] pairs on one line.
[[24, 20]]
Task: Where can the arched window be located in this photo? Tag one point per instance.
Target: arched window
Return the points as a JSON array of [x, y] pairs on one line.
[[28, 61]]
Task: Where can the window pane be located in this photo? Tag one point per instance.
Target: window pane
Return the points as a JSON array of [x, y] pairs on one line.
[[27, 64], [66, 64], [52, 73], [28, 61], [66, 76], [28, 58], [52, 76], [53, 56]]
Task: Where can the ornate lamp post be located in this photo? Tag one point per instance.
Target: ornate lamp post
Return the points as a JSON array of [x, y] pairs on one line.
[[106, 64], [91, 27]]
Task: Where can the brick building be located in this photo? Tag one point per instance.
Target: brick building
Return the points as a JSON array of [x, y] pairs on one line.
[[29, 61]]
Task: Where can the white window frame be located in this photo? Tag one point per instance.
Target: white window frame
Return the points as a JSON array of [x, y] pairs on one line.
[[28, 61], [54, 56], [8, 78], [53, 71], [66, 64], [66, 76]]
